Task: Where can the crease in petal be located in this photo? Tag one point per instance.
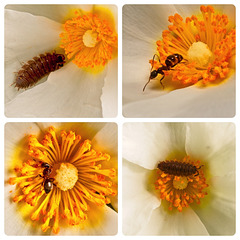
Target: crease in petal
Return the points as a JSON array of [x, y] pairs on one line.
[[176, 224], [109, 97], [219, 215], [201, 140], [146, 138], [187, 102], [25, 41], [137, 199], [78, 95]]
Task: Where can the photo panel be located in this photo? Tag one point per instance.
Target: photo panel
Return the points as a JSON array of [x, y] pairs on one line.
[[61, 179], [179, 179], [179, 60], [61, 60]]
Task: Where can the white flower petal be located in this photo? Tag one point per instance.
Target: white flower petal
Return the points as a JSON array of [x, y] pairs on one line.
[[138, 200], [213, 143], [142, 143], [144, 22], [68, 92], [218, 101], [176, 224], [145, 144], [219, 213], [106, 140], [139, 37], [110, 90], [26, 36], [56, 12]]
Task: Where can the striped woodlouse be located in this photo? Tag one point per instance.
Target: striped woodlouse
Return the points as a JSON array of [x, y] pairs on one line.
[[37, 68], [177, 168]]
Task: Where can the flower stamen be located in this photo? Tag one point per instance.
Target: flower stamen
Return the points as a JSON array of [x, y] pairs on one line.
[[181, 191], [207, 47], [88, 39]]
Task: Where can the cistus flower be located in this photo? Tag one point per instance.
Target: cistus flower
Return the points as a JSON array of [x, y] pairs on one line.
[[204, 38], [64, 180], [205, 43], [179, 179], [86, 85]]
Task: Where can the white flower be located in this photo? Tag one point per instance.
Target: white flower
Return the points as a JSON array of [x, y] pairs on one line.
[[145, 145], [31, 215], [143, 26], [71, 91]]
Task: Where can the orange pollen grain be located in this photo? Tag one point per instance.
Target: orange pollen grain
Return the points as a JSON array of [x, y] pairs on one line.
[[94, 183], [88, 40], [181, 191]]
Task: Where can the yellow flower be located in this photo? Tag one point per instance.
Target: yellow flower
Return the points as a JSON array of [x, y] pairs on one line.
[[63, 180]]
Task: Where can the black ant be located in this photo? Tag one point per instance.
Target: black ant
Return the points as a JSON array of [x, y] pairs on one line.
[[171, 61], [47, 182]]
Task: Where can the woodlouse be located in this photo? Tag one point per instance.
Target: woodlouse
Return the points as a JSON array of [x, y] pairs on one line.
[[37, 68], [177, 168]]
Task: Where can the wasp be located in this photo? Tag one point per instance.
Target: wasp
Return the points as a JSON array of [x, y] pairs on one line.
[[47, 182], [170, 62]]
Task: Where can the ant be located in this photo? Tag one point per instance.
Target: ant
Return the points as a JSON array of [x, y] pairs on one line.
[[171, 61], [47, 182]]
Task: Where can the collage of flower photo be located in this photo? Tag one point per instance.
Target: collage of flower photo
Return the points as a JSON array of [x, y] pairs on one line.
[[119, 120]]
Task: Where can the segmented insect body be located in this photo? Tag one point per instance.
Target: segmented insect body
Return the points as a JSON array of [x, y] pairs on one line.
[[177, 168], [170, 62], [37, 68], [47, 182]]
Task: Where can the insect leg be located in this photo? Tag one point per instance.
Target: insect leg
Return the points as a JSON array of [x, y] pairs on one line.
[[161, 80], [151, 71]]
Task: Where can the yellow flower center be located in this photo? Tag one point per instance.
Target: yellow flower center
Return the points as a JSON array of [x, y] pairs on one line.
[[199, 53], [205, 43], [67, 176], [89, 40], [181, 183], [62, 178]]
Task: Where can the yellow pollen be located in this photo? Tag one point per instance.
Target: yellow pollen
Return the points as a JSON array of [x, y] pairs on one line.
[[200, 53], [78, 179], [67, 176], [90, 38], [180, 183]]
